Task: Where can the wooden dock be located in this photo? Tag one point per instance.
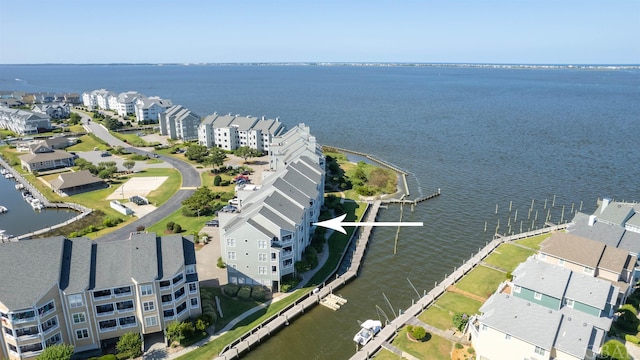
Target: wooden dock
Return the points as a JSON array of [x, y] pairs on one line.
[[390, 330], [255, 336], [414, 201]]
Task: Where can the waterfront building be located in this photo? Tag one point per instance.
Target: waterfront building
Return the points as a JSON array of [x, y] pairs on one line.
[[179, 123], [293, 144], [592, 258], [87, 294], [23, 122], [268, 231], [53, 110], [615, 224], [147, 109], [124, 103], [545, 312], [230, 132], [43, 157]]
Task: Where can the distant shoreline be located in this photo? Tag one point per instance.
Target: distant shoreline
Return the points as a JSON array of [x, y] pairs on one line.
[[371, 64]]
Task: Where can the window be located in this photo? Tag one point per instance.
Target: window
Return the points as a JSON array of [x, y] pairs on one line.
[[537, 296], [104, 309], [75, 300], [165, 284], [166, 298], [47, 308], [55, 339], [168, 313], [122, 291], [231, 242], [231, 255], [177, 279], [569, 302], [262, 244], [561, 262], [50, 324], [82, 334], [178, 294], [274, 268], [79, 318], [182, 307], [151, 321], [146, 290], [101, 293], [194, 302], [517, 289], [539, 351], [193, 288], [148, 306], [128, 321], [262, 270], [107, 325], [262, 257], [125, 305], [190, 269]]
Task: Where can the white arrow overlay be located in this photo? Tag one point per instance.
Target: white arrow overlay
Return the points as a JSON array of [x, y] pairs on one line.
[[337, 223]]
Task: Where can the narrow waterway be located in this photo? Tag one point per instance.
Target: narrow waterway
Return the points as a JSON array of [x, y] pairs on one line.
[[21, 218]]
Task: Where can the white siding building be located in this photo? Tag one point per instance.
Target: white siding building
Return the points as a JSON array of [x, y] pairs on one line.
[[179, 123], [147, 109], [230, 132]]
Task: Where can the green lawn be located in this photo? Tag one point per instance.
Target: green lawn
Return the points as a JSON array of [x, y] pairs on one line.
[[508, 256], [132, 139], [213, 348], [481, 281], [387, 355], [88, 143], [168, 188], [435, 348], [534, 241], [448, 304], [189, 224]]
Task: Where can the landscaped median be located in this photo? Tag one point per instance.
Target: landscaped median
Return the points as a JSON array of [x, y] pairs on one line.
[[464, 298]]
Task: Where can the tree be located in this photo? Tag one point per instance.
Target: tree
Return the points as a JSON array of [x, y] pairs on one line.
[[215, 157], [75, 119], [129, 164], [200, 203], [178, 331], [56, 352], [217, 180], [130, 345], [614, 350], [196, 152], [460, 320], [246, 152], [418, 333]]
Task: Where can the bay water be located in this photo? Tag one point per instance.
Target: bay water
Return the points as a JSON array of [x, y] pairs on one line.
[[534, 139]]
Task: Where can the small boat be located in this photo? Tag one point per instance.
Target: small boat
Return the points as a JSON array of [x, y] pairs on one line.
[[3, 171], [3, 209], [368, 330], [19, 186], [8, 176], [36, 204]]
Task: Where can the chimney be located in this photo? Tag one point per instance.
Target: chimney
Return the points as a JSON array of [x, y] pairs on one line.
[[605, 203], [592, 220]]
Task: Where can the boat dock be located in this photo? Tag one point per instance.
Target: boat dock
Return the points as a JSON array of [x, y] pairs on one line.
[[414, 201], [390, 330], [319, 295]]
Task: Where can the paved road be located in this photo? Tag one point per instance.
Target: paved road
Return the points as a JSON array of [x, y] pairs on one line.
[[190, 181]]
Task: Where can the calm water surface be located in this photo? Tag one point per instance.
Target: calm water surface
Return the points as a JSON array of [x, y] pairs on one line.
[[484, 136]]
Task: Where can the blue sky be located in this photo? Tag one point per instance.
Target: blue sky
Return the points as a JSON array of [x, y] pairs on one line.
[[197, 31]]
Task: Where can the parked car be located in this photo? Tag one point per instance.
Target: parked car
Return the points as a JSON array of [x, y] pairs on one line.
[[212, 223]]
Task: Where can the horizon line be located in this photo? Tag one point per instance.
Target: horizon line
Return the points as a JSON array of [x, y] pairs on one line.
[[329, 63]]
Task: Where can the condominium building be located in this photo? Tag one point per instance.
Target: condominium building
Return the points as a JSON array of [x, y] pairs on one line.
[[230, 132], [87, 294], [179, 123], [261, 242], [53, 110], [147, 109], [23, 122], [124, 103]]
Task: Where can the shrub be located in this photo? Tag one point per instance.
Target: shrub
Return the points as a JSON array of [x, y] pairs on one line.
[[130, 345], [217, 180], [614, 350], [178, 331], [170, 225], [177, 228], [409, 328], [221, 264], [231, 289], [418, 333], [471, 350], [140, 228], [258, 293], [459, 346], [460, 320], [245, 292], [224, 183], [57, 352], [632, 339]]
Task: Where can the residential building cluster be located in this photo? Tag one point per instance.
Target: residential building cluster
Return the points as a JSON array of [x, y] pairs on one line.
[[21, 98], [262, 239], [230, 132], [43, 108], [23, 122], [87, 294], [127, 103], [561, 302]]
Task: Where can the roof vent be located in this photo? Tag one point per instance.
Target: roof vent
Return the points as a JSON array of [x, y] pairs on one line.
[[584, 324], [569, 318], [549, 311]]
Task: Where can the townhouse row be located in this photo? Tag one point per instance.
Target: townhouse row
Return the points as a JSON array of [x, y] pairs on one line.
[[24, 122], [268, 234], [127, 103], [88, 294], [560, 303]]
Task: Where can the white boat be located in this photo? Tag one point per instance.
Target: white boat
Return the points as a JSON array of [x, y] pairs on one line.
[[3, 171], [36, 204], [8, 176], [3, 209], [19, 186], [368, 330]]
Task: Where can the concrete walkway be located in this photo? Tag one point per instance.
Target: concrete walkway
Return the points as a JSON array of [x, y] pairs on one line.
[[397, 351], [449, 334]]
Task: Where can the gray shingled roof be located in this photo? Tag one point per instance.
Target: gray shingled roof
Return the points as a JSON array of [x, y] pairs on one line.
[[614, 212], [614, 259], [630, 242], [291, 192], [171, 246], [575, 337], [48, 156], [301, 182], [607, 234], [29, 270], [591, 290], [73, 179], [542, 277], [526, 321], [277, 219], [284, 206], [261, 228], [79, 275], [244, 123], [113, 264]]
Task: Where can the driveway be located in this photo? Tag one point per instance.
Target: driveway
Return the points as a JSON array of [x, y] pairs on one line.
[[95, 157], [207, 259]]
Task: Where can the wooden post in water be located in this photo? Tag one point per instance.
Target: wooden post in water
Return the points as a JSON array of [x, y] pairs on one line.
[[572, 207], [553, 204], [580, 205], [548, 215], [562, 216], [536, 218], [515, 217], [496, 209], [510, 203], [520, 226], [545, 203], [485, 226]]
